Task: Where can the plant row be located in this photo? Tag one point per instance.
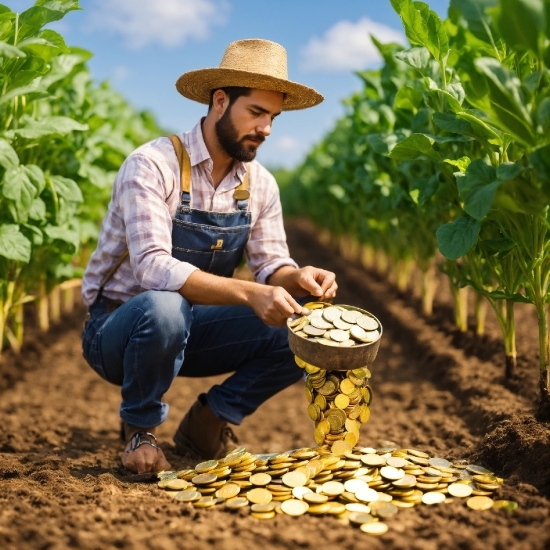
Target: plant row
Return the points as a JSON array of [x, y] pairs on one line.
[[444, 158], [62, 138]]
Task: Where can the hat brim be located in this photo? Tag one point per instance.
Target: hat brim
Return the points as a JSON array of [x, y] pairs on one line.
[[198, 84]]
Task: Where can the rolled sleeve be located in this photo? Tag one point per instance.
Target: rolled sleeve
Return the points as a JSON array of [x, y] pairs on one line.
[[267, 250]]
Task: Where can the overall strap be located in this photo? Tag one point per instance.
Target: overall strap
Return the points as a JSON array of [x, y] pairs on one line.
[[185, 168], [110, 274]]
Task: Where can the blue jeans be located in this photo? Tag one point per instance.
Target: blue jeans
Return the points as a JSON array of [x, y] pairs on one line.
[[155, 336]]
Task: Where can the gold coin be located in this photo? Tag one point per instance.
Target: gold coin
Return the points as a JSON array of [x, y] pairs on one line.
[[269, 507], [391, 473], [189, 495], [367, 323], [367, 495], [327, 388], [433, 498], [360, 518], [350, 316], [347, 386], [177, 484], [236, 503], [299, 492], [339, 448], [204, 467], [505, 505], [204, 502], [229, 490], [294, 507], [260, 479], [318, 509], [352, 438], [294, 479], [475, 469], [313, 411], [341, 401], [459, 490], [262, 515], [315, 498], [259, 496], [479, 503], [364, 414], [321, 401], [319, 436], [376, 528], [352, 425], [332, 488], [337, 508]]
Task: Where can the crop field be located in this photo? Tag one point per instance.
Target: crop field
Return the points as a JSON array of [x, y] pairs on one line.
[[430, 200], [435, 389]]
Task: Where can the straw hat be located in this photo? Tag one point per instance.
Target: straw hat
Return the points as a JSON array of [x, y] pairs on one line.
[[252, 63]]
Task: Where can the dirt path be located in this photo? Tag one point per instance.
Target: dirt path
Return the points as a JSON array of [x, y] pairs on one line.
[[61, 487]]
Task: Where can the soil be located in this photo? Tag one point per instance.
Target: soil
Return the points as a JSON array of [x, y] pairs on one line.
[[438, 390]]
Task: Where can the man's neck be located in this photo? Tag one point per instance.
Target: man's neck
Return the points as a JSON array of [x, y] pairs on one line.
[[221, 161]]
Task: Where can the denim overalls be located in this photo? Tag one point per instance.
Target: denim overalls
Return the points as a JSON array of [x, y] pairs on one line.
[[157, 335], [212, 241]]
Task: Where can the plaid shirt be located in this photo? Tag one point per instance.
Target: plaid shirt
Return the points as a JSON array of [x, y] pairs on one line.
[[146, 194]]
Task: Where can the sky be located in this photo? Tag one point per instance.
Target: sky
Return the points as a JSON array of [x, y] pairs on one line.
[[143, 46]]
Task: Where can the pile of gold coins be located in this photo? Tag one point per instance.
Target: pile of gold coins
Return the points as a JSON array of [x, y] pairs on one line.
[[337, 326], [338, 404], [362, 488]]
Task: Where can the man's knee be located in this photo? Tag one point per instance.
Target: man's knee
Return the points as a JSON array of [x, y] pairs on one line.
[[168, 312]]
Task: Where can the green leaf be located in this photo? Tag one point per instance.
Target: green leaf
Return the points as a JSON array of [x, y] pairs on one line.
[[9, 51], [479, 22], [13, 244], [416, 146], [507, 100], [456, 238], [42, 13], [382, 143], [481, 128], [477, 188], [451, 123], [45, 126], [521, 22], [36, 176], [543, 115], [508, 171], [47, 45], [8, 156], [18, 187], [462, 163], [417, 58], [438, 41], [61, 66], [34, 88], [408, 98], [37, 210], [35, 234], [64, 234], [66, 188]]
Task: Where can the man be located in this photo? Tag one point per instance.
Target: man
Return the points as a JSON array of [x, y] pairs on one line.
[[158, 287]]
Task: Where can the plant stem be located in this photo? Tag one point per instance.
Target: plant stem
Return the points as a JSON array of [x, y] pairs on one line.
[[429, 287], [42, 304], [460, 296], [480, 313], [55, 304], [510, 340]]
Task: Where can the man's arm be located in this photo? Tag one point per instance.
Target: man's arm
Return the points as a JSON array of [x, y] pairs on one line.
[[274, 302]]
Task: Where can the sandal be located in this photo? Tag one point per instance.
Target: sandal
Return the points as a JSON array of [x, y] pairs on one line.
[[136, 441]]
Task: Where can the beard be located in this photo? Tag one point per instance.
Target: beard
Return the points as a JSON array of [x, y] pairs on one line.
[[228, 137]]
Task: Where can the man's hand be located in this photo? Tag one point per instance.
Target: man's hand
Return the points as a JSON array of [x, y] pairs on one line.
[[304, 281], [274, 305]]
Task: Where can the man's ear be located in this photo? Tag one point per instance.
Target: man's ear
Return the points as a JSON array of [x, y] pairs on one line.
[[220, 102]]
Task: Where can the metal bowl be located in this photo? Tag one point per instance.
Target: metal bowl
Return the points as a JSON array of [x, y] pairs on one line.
[[333, 358]]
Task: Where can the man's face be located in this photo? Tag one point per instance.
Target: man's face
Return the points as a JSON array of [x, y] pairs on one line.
[[244, 125]]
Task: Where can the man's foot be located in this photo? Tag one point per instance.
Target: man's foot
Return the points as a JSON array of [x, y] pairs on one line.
[[142, 454], [203, 435]]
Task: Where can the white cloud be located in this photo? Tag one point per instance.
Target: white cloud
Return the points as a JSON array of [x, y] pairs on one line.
[[286, 144], [347, 46], [166, 22], [120, 73]]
